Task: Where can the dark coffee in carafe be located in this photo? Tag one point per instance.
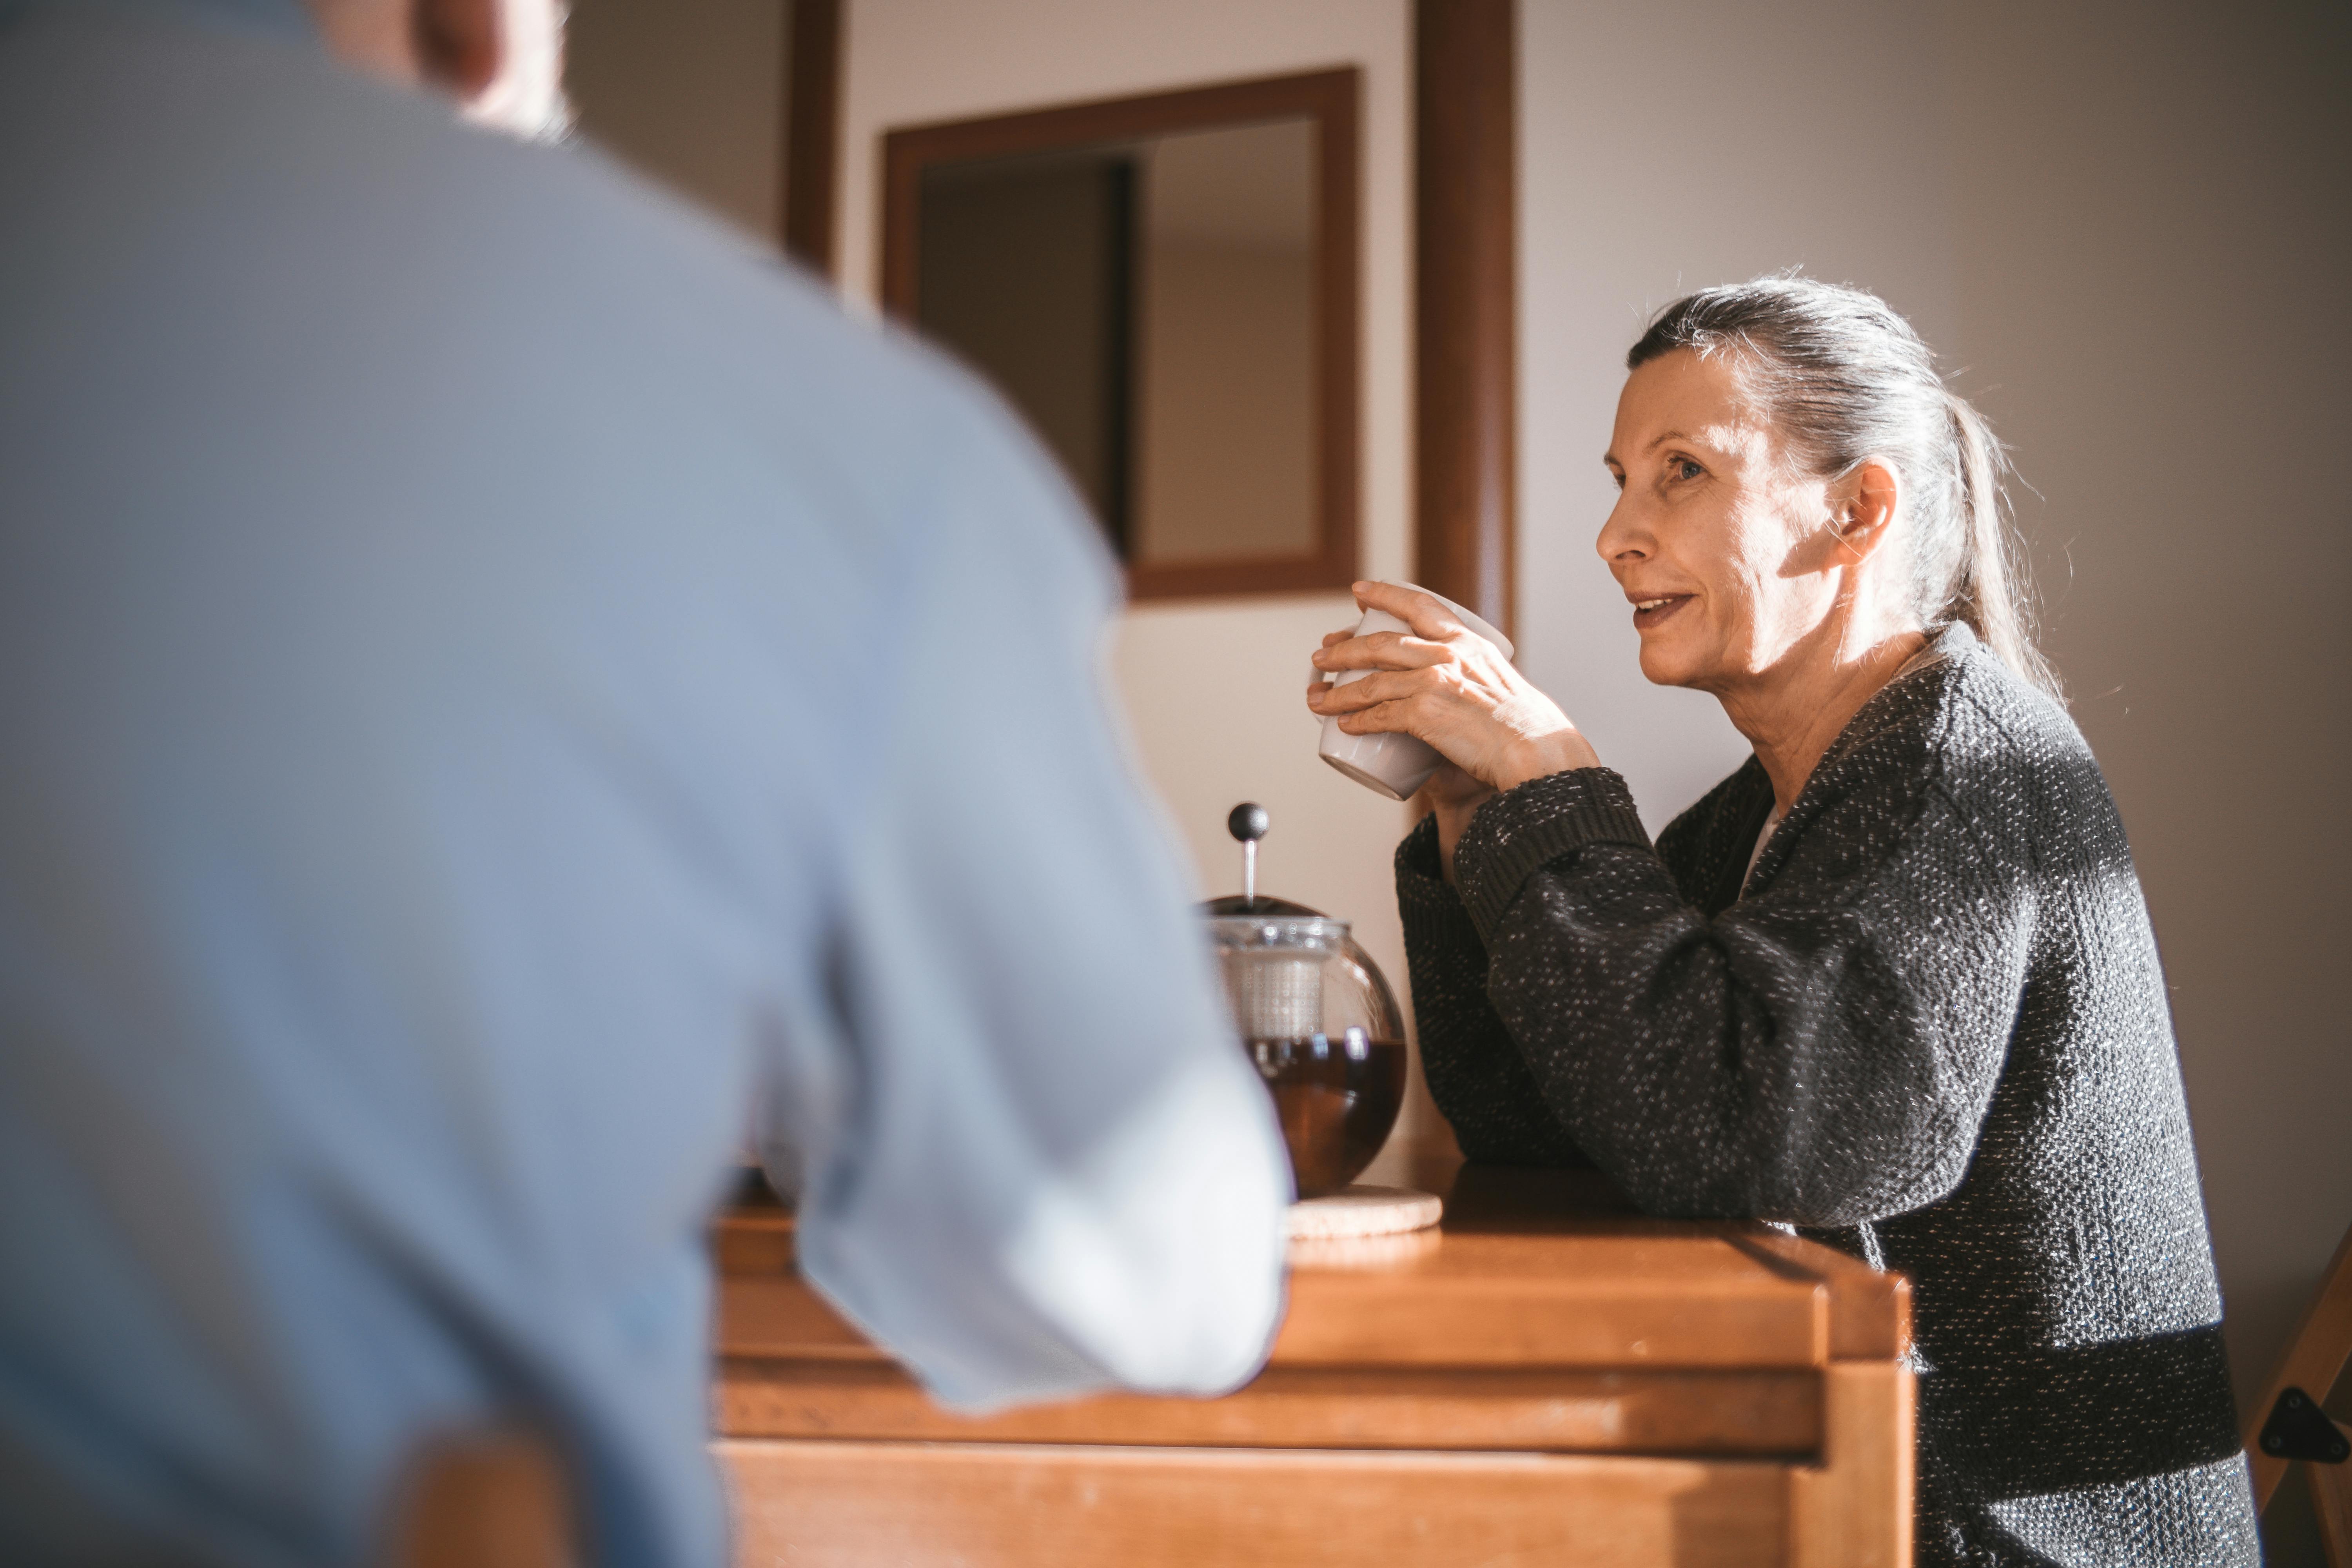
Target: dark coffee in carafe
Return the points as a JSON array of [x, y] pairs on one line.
[[1337, 1099]]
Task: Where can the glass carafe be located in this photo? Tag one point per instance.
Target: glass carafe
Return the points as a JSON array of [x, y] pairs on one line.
[[1318, 1019]]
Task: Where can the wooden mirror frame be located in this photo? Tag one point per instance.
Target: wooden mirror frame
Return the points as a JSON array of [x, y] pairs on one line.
[[1331, 99]]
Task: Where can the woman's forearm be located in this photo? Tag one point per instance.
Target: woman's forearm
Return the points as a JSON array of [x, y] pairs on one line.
[[1815, 1060]]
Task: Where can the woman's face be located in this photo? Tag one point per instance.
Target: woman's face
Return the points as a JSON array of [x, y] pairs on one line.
[[1720, 540]]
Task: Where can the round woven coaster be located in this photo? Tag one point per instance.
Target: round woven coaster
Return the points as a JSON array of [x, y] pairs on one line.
[[1364, 1210]]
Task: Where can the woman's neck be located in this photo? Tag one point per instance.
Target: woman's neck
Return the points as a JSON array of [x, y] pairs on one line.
[[1794, 712]]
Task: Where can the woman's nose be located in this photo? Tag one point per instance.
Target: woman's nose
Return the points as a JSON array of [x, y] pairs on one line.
[[1623, 538]]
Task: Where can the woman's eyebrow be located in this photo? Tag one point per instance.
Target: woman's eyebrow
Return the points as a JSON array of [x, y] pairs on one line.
[[1610, 458]]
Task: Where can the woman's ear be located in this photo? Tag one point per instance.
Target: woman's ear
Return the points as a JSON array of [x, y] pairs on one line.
[[1866, 504], [460, 45]]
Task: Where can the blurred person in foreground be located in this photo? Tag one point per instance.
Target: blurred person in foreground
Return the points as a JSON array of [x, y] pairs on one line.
[[487, 692]]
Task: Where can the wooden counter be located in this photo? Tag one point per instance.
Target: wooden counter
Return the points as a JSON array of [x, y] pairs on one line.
[[1548, 1378]]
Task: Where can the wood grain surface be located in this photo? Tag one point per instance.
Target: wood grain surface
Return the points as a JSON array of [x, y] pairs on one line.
[[816, 1505], [1761, 1413]]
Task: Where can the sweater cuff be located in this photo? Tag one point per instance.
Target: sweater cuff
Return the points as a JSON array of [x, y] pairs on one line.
[[1543, 819], [1433, 917]]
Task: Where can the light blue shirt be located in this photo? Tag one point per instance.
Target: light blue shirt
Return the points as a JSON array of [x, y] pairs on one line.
[[496, 677]]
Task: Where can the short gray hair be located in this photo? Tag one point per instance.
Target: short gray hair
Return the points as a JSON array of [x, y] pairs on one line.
[[1845, 379]]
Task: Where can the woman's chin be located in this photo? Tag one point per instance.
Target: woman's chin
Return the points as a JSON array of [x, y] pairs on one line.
[[1663, 664]]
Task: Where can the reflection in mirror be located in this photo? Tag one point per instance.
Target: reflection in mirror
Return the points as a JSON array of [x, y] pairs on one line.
[[1150, 307], [1027, 274], [1227, 389], [1172, 307]]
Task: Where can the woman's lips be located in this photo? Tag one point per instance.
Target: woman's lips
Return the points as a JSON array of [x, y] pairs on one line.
[[1653, 611]]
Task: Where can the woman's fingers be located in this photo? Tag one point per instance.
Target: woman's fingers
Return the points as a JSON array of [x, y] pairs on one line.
[[1383, 686], [1444, 684], [1382, 650], [1407, 715], [1422, 612]]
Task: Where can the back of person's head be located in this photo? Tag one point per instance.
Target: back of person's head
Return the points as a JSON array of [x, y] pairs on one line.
[[1845, 379], [500, 61]]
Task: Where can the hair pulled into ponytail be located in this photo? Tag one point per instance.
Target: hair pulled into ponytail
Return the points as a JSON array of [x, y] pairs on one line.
[[1845, 379], [1991, 591]]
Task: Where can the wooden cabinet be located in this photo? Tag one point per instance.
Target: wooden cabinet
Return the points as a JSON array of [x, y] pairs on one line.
[[1549, 1378]]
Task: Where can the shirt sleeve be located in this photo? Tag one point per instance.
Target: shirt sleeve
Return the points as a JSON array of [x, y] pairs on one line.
[[1822, 1052], [1032, 1160]]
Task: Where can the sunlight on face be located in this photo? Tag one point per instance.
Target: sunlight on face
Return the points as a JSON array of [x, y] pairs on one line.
[[1717, 537]]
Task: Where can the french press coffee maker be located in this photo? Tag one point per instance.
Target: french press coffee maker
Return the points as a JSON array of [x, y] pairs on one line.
[[1316, 1015]]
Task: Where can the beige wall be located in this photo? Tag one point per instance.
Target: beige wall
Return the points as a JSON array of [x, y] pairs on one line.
[[2152, 217], [1211, 688], [2129, 225], [1663, 146]]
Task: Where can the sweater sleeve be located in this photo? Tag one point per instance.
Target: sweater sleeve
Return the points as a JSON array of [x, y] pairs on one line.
[[1821, 1052], [1476, 1072]]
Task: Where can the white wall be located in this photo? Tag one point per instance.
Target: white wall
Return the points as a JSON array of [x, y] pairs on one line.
[[2153, 245], [1663, 147], [1212, 688], [2129, 223]]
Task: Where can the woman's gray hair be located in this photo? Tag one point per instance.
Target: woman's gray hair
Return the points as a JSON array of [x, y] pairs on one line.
[[1844, 379]]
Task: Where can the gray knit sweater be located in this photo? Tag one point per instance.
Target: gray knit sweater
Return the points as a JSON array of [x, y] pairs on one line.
[[1932, 1033]]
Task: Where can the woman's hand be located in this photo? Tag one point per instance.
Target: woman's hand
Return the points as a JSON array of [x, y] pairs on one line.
[[1448, 686]]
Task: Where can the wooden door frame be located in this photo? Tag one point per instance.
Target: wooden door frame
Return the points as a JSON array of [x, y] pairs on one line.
[[812, 132], [1466, 302]]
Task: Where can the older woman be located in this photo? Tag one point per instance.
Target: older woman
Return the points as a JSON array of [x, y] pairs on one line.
[[1891, 982]]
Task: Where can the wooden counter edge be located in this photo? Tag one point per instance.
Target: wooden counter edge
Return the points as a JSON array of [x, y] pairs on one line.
[[1869, 1310], [1764, 1413], [1854, 1510]]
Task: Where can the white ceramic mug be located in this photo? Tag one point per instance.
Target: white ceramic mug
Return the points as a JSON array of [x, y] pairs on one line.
[[1393, 765]]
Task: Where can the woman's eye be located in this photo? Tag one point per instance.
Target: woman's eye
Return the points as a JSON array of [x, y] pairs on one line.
[[1684, 469]]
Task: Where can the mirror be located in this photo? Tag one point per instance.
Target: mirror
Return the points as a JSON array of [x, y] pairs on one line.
[[1165, 288]]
